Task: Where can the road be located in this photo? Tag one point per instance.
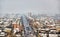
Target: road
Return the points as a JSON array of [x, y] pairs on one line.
[[27, 28]]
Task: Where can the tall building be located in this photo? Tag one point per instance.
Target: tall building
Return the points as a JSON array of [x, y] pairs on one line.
[[29, 14]]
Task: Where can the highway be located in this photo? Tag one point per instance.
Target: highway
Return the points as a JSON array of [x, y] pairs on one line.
[[27, 28]]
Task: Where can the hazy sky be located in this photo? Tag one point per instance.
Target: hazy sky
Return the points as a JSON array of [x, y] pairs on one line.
[[49, 7]]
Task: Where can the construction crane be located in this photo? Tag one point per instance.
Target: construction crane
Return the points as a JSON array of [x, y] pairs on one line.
[[27, 28]]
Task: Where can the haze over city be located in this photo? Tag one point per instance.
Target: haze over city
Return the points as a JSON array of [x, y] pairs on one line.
[[29, 18], [50, 7]]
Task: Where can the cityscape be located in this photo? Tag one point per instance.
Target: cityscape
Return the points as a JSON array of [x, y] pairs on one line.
[[29, 25], [29, 18]]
